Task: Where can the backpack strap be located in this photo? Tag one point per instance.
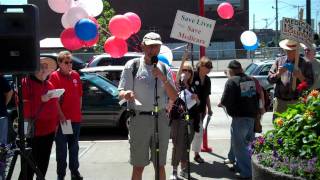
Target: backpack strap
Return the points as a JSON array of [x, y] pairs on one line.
[[135, 68]]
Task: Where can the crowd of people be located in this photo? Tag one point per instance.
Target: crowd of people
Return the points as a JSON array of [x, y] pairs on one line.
[[176, 117]]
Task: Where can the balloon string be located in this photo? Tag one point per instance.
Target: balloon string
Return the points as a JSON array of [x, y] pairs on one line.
[[104, 30]]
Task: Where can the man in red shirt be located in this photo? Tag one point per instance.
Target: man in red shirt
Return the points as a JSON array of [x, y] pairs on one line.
[[70, 109]]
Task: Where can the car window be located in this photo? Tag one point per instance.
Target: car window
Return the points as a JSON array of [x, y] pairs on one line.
[[250, 69], [265, 70], [104, 84], [92, 94], [106, 61]]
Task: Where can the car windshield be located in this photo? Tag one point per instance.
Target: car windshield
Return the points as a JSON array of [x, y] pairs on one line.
[[105, 84], [249, 70]]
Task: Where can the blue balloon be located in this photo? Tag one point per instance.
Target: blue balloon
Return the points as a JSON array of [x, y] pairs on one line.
[[289, 66], [163, 59], [86, 29], [251, 48]]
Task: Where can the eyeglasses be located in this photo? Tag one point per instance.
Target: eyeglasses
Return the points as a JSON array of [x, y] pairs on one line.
[[67, 62], [187, 70], [208, 66]]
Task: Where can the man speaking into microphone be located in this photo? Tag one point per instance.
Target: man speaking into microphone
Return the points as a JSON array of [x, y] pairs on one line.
[[137, 84]]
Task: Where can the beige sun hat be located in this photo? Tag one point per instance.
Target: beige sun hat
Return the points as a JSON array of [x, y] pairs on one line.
[[152, 38], [288, 44], [52, 64]]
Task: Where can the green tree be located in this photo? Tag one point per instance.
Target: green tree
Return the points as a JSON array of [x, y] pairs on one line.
[[107, 13]]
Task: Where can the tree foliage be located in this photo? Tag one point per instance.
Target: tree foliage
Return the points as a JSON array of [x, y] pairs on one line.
[[107, 13]]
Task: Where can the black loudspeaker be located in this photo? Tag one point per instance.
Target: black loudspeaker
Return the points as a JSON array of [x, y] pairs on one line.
[[19, 39]]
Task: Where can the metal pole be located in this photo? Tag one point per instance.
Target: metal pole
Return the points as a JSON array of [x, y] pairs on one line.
[[308, 11], [277, 28], [201, 13]]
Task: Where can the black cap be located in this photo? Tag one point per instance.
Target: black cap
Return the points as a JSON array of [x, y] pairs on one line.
[[234, 64]]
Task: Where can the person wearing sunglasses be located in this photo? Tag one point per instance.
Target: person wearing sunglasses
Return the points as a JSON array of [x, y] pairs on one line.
[[70, 109], [202, 84], [181, 137], [309, 56]]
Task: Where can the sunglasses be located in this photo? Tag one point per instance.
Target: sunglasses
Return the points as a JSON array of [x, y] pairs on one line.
[[67, 62], [187, 70]]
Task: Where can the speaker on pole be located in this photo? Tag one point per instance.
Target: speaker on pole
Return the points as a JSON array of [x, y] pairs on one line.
[[19, 39]]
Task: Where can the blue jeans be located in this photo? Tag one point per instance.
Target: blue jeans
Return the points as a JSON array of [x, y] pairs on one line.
[[61, 150], [3, 130], [241, 134], [3, 140]]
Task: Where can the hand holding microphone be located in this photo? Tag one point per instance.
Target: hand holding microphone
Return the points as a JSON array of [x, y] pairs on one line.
[[156, 72]]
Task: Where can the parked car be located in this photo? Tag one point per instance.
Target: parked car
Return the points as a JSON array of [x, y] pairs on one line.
[[113, 73], [77, 63], [260, 70], [100, 103], [106, 60]]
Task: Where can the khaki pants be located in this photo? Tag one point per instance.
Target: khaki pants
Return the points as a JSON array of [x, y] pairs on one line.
[[280, 105]]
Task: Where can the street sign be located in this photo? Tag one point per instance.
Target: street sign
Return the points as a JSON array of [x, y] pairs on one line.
[[297, 30], [192, 28]]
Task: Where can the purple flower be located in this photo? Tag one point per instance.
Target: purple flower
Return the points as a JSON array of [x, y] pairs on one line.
[[311, 165], [280, 141], [260, 140], [275, 153]]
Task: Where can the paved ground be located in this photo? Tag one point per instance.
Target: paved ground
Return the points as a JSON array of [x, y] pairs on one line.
[[108, 159]]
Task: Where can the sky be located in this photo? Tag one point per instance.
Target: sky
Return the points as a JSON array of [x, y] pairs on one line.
[[264, 11]]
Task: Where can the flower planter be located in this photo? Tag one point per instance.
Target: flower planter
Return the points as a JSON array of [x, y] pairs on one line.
[[260, 172]]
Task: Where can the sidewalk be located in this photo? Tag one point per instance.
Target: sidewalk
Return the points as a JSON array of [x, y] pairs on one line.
[[108, 160]]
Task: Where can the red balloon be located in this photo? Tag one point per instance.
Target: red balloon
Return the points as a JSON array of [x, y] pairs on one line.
[[225, 10], [116, 47], [120, 27], [135, 21], [70, 40], [95, 21], [91, 42]]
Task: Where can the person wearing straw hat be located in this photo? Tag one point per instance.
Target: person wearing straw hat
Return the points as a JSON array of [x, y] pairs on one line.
[[309, 55], [38, 103], [283, 72]]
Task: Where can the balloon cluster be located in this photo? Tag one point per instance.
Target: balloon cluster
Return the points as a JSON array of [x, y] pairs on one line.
[[121, 27], [81, 28], [249, 40]]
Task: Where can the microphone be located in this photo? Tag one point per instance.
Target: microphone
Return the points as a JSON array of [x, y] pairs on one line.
[[154, 61], [182, 76]]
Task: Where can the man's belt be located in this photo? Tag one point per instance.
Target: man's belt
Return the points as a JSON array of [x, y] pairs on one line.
[[149, 113], [287, 99]]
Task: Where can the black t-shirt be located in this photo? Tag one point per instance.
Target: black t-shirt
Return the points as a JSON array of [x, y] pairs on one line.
[[202, 90], [4, 88], [240, 96]]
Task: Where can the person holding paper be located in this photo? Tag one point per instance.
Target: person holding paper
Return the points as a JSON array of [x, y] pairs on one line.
[[179, 125], [202, 84], [282, 72], [70, 104], [141, 86], [42, 109]]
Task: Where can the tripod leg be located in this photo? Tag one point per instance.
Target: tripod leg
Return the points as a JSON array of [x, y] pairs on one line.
[[32, 165], [12, 164]]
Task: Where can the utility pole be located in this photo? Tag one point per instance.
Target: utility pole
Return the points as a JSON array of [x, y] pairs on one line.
[[254, 22], [277, 28], [266, 20], [308, 11]]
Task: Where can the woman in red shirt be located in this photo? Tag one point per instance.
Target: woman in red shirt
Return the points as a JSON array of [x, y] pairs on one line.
[[43, 109]]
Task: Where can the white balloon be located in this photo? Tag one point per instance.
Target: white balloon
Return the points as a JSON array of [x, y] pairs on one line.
[[248, 38], [74, 14], [93, 7], [166, 52], [60, 6], [65, 22]]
